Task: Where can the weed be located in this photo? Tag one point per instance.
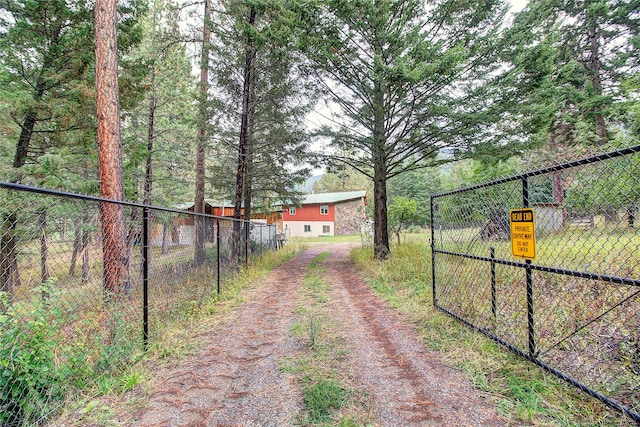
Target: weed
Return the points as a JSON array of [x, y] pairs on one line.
[[315, 328], [523, 392], [320, 367], [36, 369], [321, 398], [130, 380]]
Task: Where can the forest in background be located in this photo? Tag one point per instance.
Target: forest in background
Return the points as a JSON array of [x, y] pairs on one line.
[[238, 100]]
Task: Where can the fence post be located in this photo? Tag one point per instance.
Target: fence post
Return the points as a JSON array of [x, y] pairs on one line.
[[218, 251], [532, 338], [145, 277], [433, 253], [492, 252]]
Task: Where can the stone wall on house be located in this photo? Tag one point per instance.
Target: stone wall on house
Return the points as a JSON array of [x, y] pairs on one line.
[[348, 217]]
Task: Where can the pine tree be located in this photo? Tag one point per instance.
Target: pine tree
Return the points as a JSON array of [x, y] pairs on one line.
[[402, 75], [568, 59], [47, 51], [264, 100], [160, 136]]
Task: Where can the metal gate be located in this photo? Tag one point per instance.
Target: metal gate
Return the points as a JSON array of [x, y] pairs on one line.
[[575, 308]]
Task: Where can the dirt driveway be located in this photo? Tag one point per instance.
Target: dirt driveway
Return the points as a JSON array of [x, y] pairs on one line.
[[238, 380]]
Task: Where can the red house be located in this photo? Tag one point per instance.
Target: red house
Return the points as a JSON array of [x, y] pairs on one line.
[[328, 214]]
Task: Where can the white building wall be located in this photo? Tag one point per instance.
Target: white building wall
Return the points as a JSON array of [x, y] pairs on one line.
[[296, 228], [186, 235]]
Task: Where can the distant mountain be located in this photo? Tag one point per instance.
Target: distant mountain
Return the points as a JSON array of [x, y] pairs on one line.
[[308, 186]]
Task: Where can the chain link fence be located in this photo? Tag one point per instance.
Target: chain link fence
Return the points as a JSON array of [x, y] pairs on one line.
[[87, 283], [573, 306]]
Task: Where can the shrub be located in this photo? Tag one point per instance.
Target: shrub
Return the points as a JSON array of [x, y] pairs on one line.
[[35, 371]]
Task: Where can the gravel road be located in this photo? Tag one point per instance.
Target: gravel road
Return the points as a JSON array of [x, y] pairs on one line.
[[236, 380]]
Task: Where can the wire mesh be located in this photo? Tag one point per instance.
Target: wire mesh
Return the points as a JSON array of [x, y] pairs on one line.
[[575, 308], [83, 288]]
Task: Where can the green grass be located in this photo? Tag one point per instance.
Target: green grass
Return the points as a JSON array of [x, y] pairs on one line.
[[174, 338], [320, 368], [321, 398], [521, 391], [602, 250], [328, 239]]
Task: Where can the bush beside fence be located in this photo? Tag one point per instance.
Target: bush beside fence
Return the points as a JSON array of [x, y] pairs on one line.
[[60, 328]]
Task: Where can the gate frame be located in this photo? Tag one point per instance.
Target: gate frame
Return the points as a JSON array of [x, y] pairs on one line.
[[529, 267]]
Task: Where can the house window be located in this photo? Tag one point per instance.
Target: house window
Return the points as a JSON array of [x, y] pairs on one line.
[[326, 229], [292, 211], [324, 210], [307, 229]]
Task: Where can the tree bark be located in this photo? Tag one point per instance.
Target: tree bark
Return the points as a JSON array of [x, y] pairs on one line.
[[381, 229], [110, 148], [244, 137], [29, 123], [596, 66], [134, 234], [86, 238], [148, 176], [250, 144], [77, 242], [198, 206], [9, 277], [26, 131], [85, 256], [557, 189], [165, 238]]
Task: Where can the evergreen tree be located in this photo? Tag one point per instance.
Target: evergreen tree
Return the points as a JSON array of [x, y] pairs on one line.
[[263, 97], [110, 149], [159, 135], [47, 54], [407, 78], [568, 59], [417, 185], [47, 86]]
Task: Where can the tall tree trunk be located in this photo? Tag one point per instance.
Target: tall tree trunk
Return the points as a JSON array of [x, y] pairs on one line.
[[558, 136], [198, 206], [63, 229], [595, 66], [30, 119], [80, 241], [381, 229], [110, 148], [165, 238], [77, 242], [250, 143], [26, 131], [44, 247], [85, 253], [148, 176], [250, 55], [9, 276], [133, 235]]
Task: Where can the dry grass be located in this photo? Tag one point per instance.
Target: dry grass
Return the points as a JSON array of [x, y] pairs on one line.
[[174, 338], [320, 368], [522, 391]]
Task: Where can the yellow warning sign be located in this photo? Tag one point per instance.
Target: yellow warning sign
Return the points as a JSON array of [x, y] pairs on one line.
[[523, 233]]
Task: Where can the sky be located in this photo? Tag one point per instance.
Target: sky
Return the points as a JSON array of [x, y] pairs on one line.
[[518, 5]]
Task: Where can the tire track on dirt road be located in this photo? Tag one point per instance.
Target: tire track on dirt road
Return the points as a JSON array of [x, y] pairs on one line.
[[408, 384], [237, 381], [237, 378]]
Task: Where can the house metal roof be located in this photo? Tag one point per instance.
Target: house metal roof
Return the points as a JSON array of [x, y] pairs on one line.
[[309, 199], [343, 196], [211, 202]]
